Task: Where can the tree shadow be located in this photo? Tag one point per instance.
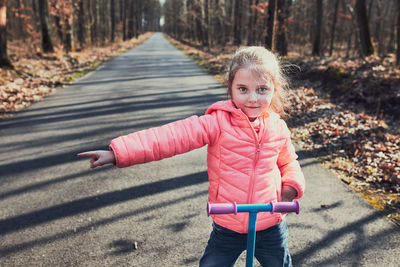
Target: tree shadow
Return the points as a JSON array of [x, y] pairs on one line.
[[111, 108], [358, 246], [177, 227], [99, 223], [31, 219], [44, 184]]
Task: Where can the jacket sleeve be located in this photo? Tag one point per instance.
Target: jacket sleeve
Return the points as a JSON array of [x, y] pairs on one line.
[[289, 166], [165, 141]]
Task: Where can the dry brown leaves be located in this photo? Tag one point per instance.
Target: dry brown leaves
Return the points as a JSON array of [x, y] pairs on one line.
[[362, 150], [37, 76]]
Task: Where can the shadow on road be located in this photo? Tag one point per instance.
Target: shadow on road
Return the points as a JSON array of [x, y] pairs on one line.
[[95, 202], [84, 205], [361, 242]]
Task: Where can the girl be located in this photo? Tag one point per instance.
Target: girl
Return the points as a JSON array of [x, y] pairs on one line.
[[250, 157]]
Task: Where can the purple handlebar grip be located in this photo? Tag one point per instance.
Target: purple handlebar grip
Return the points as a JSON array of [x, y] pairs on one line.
[[286, 207], [221, 208]]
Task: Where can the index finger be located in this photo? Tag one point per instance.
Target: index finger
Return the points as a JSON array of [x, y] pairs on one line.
[[86, 154]]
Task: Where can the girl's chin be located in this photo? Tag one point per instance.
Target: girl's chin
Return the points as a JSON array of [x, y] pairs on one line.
[[252, 117]]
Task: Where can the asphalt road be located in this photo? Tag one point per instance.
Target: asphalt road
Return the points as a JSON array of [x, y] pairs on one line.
[[55, 211]]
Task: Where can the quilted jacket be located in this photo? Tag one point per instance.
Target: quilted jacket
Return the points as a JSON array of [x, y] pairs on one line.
[[243, 166]]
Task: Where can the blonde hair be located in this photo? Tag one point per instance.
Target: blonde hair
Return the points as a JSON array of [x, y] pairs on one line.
[[265, 64]]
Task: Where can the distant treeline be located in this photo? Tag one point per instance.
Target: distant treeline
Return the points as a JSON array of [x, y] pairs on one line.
[[344, 28], [40, 25]]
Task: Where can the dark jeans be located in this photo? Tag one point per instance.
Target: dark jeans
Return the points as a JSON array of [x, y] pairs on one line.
[[225, 246]]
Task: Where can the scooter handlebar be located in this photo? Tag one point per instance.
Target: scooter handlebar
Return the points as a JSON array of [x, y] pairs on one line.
[[286, 207], [232, 208], [221, 208]]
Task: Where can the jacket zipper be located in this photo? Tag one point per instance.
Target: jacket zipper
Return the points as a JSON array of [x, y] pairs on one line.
[[252, 178], [258, 150]]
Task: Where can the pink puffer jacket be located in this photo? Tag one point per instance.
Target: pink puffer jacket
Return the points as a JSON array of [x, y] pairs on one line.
[[243, 166]]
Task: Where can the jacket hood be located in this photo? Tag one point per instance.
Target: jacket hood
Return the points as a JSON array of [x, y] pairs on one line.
[[225, 105], [237, 114]]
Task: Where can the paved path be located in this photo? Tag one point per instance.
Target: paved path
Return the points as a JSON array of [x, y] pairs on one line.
[[55, 211]]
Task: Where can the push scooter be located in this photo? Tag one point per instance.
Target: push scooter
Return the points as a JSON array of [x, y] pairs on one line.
[[252, 209]]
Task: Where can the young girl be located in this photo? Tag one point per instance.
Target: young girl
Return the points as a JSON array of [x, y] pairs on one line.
[[250, 157]]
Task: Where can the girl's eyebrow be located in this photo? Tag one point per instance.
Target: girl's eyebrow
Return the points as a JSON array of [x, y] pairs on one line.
[[259, 86]]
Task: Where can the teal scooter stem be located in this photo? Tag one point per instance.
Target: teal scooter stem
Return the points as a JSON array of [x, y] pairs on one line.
[[252, 209]]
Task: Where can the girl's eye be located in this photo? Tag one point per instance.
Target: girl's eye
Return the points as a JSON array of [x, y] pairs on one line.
[[262, 90], [242, 89]]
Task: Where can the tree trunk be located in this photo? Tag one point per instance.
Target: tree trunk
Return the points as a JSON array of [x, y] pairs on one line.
[[318, 30], [81, 25], [367, 47], [91, 22], [97, 24], [253, 24], [112, 14], [57, 20], [69, 32], [270, 37], [237, 40], [333, 28], [378, 26], [105, 20], [282, 15], [4, 61], [207, 23], [125, 21], [199, 25], [131, 23], [219, 30], [138, 18], [398, 34], [190, 20], [47, 43], [228, 21]]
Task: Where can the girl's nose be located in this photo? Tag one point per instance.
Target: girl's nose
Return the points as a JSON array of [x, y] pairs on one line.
[[253, 97]]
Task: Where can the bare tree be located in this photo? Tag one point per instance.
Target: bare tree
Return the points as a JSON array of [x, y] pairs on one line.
[[69, 26], [4, 61], [333, 27], [318, 29], [367, 47], [282, 15], [237, 29], [112, 17], [81, 24], [398, 34], [270, 37], [47, 43]]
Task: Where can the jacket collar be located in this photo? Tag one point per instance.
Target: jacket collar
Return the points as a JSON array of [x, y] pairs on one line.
[[237, 116]]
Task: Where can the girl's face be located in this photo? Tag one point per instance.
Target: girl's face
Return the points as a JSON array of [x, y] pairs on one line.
[[251, 93]]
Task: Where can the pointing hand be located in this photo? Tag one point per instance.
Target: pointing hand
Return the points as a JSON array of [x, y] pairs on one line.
[[99, 157]]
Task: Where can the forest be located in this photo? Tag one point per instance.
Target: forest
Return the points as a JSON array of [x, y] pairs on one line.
[[339, 28], [344, 53]]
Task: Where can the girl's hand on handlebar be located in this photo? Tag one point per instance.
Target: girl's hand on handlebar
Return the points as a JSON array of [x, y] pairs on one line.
[[288, 193], [99, 157]]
